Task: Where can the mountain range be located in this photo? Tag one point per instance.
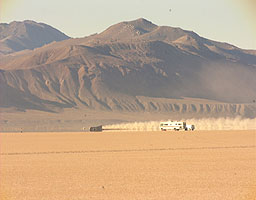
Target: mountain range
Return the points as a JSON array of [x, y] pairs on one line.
[[133, 66]]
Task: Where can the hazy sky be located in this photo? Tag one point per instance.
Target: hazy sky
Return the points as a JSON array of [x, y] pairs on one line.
[[232, 21]]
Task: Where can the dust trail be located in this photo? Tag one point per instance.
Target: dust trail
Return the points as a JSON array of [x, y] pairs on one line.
[[237, 123]]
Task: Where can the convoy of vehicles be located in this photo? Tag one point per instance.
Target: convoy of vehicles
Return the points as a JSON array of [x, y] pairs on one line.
[[176, 126], [164, 126]]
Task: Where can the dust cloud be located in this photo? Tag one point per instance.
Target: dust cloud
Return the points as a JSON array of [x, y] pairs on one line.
[[237, 123]]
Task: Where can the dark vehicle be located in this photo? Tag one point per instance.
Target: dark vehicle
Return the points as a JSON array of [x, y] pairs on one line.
[[96, 129]]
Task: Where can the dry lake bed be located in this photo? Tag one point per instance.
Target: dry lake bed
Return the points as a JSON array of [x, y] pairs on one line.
[[199, 165]]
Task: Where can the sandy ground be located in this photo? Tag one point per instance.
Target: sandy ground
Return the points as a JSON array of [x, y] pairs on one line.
[[207, 165]]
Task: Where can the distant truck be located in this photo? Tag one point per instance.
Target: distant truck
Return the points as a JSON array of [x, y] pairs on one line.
[[96, 129], [176, 126]]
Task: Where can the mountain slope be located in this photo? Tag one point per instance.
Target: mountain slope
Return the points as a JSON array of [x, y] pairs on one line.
[[116, 70], [18, 36]]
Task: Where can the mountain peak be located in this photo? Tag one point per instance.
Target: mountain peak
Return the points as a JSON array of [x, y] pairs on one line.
[[23, 22], [128, 29], [28, 34], [141, 22]]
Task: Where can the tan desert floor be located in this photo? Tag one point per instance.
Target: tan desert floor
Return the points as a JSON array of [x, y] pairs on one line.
[[200, 165]]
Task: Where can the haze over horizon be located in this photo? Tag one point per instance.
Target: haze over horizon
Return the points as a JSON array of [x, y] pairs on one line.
[[224, 21]]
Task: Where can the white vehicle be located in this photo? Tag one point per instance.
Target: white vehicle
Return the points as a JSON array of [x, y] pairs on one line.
[[176, 126], [190, 127], [172, 125]]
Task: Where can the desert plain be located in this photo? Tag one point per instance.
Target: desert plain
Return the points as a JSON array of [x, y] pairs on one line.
[[198, 165]]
